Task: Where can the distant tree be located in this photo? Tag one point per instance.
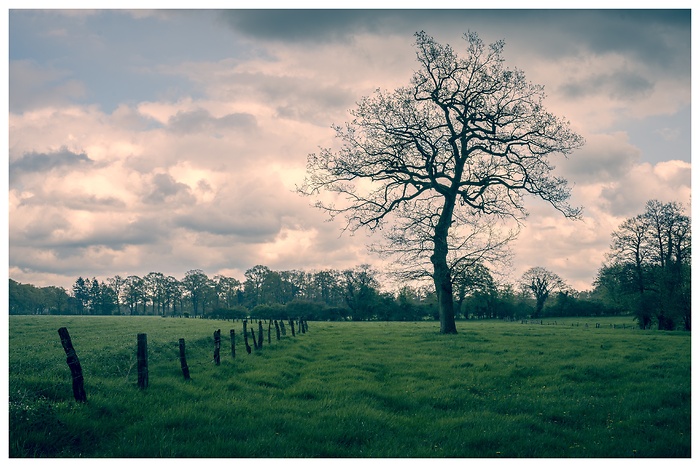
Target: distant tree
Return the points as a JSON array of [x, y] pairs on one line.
[[475, 281], [172, 294], [105, 301], [24, 299], [361, 291], [272, 289], [541, 282], [468, 137], [294, 284], [226, 290], [134, 294], [94, 296], [253, 285], [81, 292], [196, 284], [209, 296], [656, 246], [117, 283], [326, 287], [57, 299], [154, 283]]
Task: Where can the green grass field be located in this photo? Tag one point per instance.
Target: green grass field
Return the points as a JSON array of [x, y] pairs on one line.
[[370, 389]]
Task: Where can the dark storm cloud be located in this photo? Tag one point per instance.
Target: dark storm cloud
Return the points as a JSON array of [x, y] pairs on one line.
[[302, 25], [618, 85], [200, 120], [656, 36], [45, 161], [659, 37]]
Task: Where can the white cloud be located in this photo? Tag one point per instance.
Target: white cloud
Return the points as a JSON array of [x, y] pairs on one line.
[[200, 175], [576, 249]]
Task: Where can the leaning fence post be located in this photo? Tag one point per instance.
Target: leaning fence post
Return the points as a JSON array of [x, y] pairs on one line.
[[291, 325], [183, 360], [269, 327], [284, 329], [277, 329], [217, 346], [142, 360], [233, 343], [76, 370]]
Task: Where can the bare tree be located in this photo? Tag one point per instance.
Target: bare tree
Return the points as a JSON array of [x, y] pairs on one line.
[[629, 245], [117, 283], [541, 282], [468, 137], [656, 245]]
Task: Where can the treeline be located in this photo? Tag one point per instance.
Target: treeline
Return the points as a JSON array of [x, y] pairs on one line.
[[353, 294], [647, 275]]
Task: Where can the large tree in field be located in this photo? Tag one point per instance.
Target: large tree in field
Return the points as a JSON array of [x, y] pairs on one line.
[[465, 140]]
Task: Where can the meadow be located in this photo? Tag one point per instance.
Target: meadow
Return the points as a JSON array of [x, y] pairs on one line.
[[352, 389]]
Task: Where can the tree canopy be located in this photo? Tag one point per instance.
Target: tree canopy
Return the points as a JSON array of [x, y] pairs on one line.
[[457, 148]]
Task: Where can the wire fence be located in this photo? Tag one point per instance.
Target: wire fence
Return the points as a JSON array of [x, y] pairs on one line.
[[141, 359]]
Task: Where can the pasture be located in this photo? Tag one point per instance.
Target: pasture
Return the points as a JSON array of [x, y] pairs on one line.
[[352, 389]]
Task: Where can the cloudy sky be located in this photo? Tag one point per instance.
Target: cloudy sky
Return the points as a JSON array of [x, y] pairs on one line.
[[166, 141]]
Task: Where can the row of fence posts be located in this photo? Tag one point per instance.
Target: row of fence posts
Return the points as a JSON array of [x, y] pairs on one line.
[[541, 322], [142, 351]]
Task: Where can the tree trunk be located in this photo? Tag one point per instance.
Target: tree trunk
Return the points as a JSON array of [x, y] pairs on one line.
[[539, 306], [441, 276]]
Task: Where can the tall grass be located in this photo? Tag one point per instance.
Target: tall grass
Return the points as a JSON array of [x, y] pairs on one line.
[[352, 390]]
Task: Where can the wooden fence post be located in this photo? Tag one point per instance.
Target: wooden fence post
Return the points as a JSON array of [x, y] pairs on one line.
[[76, 370], [261, 338], [245, 336], [142, 360], [269, 327], [284, 330], [233, 343], [183, 360], [277, 329], [291, 325], [217, 347], [255, 341]]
